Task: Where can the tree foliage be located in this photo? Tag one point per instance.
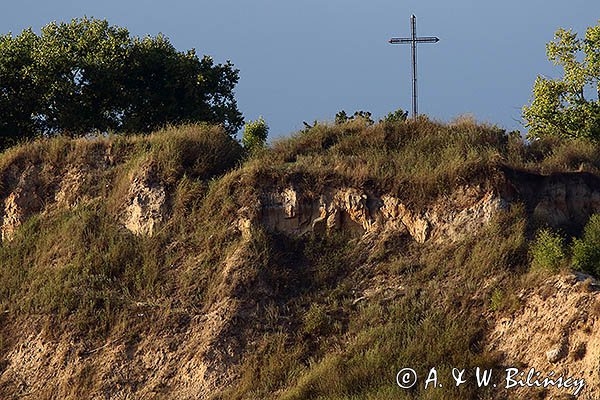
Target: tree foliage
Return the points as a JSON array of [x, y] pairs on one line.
[[568, 106], [87, 75], [255, 135], [393, 117], [341, 117], [586, 251], [548, 251], [396, 116]]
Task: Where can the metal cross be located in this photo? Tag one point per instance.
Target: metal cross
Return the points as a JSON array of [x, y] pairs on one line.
[[413, 40]]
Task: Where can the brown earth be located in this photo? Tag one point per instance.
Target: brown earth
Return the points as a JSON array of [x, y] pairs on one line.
[[196, 357]]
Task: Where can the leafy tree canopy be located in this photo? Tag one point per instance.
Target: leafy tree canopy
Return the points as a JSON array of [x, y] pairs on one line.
[[87, 75], [568, 106]]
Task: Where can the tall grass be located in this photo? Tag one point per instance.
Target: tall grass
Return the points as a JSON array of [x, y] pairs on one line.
[[79, 263], [311, 336], [419, 159], [341, 349]]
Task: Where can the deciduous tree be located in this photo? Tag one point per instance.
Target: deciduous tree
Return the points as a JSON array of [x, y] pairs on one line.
[[87, 75], [568, 106]]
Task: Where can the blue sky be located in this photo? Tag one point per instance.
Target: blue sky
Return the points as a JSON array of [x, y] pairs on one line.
[[306, 60]]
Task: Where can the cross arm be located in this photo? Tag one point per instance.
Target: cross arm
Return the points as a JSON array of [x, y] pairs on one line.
[[423, 39]]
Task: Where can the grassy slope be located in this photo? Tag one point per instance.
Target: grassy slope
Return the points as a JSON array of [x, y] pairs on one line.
[[79, 270]]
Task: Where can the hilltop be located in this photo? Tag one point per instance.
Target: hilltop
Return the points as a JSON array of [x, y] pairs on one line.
[[175, 265]]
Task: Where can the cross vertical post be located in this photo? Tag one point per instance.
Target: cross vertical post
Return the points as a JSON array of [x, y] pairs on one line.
[[413, 40], [413, 36]]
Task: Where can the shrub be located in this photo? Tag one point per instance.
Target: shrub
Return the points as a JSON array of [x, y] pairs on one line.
[[255, 135], [397, 116], [547, 251], [586, 251], [341, 117]]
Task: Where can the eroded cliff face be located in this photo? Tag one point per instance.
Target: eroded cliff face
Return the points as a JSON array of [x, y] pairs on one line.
[[557, 326], [31, 189], [202, 355], [22, 201], [558, 330], [361, 213], [190, 362], [563, 201], [146, 206]]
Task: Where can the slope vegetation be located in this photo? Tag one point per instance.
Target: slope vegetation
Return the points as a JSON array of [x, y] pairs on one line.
[[174, 265]]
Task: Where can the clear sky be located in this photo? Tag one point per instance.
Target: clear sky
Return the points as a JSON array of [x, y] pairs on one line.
[[305, 60]]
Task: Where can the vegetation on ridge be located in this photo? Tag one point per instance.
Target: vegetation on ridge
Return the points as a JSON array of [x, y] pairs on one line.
[[306, 335], [86, 75], [569, 106]]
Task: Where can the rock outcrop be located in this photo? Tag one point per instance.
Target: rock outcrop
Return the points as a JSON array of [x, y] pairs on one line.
[[22, 201], [27, 193], [557, 329], [146, 206], [295, 213], [563, 200]]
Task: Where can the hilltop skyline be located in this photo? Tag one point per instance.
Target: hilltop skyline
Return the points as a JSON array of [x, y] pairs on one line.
[[305, 62]]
